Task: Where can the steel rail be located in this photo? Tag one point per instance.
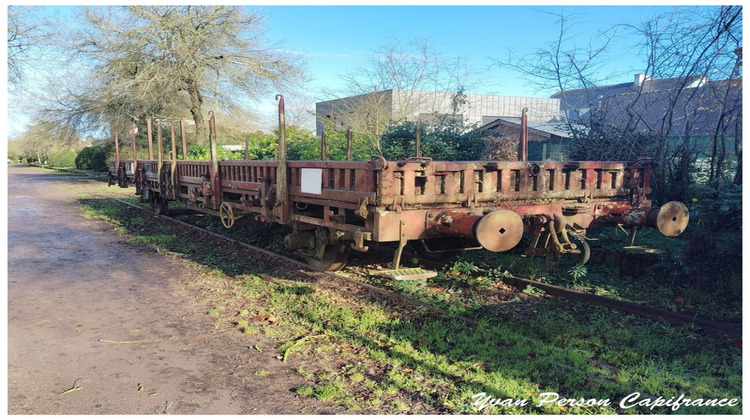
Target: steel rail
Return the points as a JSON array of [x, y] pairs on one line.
[[731, 330], [302, 264], [513, 281], [674, 318]]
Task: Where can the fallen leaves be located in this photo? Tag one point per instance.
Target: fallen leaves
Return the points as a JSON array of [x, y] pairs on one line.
[[266, 317]]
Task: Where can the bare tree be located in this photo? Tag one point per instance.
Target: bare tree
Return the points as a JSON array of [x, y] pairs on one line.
[[398, 80], [23, 35], [42, 139], [563, 65], [693, 48], [686, 86], [171, 59]]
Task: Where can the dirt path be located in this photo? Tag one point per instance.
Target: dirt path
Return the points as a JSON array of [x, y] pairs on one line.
[[97, 328]]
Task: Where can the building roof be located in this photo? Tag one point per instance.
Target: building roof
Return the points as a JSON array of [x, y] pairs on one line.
[[590, 97], [543, 129], [674, 107]]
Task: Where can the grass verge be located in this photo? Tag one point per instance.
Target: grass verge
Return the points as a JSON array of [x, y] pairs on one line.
[[367, 355]]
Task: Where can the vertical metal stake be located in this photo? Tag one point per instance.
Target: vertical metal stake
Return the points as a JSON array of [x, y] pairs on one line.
[[117, 152], [419, 139], [173, 168], [282, 193], [215, 186], [323, 146], [348, 144], [523, 141], [150, 139], [160, 152], [135, 151], [183, 136]]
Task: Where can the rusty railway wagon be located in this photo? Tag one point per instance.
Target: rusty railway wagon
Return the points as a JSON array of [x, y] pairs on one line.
[[437, 207]]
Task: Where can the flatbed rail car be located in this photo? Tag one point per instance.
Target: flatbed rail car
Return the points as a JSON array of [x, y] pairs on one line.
[[439, 207]]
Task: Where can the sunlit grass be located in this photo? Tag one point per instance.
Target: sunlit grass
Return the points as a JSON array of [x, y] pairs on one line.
[[393, 359]]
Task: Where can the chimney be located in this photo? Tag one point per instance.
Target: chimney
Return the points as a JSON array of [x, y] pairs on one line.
[[640, 78]]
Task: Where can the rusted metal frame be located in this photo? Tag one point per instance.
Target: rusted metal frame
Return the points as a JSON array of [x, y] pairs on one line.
[[194, 168], [402, 241], [418, 145], [117, 153], [183, 137], [148, 165], [358, 176], [240, 186], [329, 164], [149, 135], [250, 163], [338, 180], [514, 196], [348, 144], [515, 179], [173, 169], [346, 227], [348, 205], [331, 195], [160, 165], [201, 209], [486, 197], [384, 183], [117, 173], [215, 186], [389, 226], [135, 152], [282, 193], [523, 141], [416, 225], [323, 146]]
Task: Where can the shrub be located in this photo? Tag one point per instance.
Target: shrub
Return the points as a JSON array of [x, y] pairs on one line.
[[446, 139], [92, 158], [63, 159]]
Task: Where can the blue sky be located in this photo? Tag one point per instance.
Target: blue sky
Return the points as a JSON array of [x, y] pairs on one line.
[[336, 39]]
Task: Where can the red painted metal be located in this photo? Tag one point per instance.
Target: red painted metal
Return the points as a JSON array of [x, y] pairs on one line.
[[215, 188], [323, 146], [492, 202], [523, 141], [183, 137], [282, 191], [149, 135]]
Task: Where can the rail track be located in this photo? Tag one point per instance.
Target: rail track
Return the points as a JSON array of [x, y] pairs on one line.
[[731, 330]]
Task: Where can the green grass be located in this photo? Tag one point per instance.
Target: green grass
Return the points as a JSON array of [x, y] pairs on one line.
[[370, 355]]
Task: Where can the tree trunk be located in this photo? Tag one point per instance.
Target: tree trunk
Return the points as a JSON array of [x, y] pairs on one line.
[[196, 106], [738, 153]]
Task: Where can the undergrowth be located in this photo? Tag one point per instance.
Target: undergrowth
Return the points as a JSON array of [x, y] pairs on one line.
[[369, 357]]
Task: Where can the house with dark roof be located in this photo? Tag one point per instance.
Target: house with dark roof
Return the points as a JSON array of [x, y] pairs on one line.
[[547, 140], [677, 107]]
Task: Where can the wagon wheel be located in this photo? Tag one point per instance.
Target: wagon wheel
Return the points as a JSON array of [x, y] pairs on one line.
[[328, 257], [158, 203], [122, 178], [145, 195], [334, 258], [226, 214], [434, 250]]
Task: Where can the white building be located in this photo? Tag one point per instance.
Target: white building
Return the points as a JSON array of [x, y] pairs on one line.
[[412, 105]]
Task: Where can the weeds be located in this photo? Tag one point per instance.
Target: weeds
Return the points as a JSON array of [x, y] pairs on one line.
[[429, 364]]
